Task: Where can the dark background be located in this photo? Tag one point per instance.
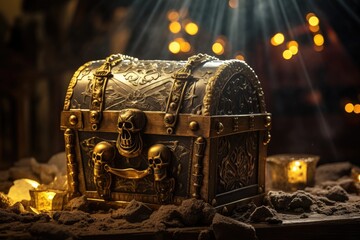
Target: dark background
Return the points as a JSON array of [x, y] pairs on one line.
[[42, 43]]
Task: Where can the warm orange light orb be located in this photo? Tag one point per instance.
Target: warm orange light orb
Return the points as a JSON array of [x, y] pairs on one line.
[[191, 28], [319, 39], [233, 3], [174, 27], [349, 108], [174, 47], [313, 21], [314, 29], [217, 48], [240, 57], [277, 39], [185, 46], [293, 47], [287, 54], [173, 15], [357, 108]]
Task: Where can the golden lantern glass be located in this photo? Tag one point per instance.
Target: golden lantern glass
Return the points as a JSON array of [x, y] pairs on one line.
[[290, 172], [47, 200], [355, 173]]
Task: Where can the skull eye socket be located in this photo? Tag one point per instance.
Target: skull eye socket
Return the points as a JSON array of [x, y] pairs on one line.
[[157, 160], [98, 157], [151, 161], [128, 125]]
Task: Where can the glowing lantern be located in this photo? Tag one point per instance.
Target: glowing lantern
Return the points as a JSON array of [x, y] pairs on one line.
[[290, 172], [47, 200], [355, 174]]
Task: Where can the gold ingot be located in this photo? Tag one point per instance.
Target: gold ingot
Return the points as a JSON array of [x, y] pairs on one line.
[[73, 120], [193, 125]]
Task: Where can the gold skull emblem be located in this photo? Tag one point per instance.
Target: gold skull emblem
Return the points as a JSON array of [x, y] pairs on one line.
[[159, 157], [130, 124], [103, 154]]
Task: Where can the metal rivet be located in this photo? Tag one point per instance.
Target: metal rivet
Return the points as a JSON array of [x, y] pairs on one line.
[[169, 118], [94, 115], [94, 127], [73, 120], [268, 121], [219, 127], [260, 189], [193, 125]]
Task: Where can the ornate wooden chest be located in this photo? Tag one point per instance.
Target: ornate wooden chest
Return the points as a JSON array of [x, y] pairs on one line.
[[164, 131]]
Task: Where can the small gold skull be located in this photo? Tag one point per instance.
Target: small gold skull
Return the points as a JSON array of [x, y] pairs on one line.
[[130, 124], [103, 153], [159, 157]]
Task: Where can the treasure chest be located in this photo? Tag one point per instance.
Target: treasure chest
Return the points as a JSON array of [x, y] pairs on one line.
[[164, 131]]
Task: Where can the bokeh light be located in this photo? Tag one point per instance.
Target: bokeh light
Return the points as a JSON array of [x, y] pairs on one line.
[[217, 48], [287, 54], [233, 3], [314, 29], [175, 27], [313, 21], [174, 47], [349, 107], [185, 46], [293, 47], [319, 39], [277, 39], [173, 15], [191, 28], [357, 108], [240, 57]]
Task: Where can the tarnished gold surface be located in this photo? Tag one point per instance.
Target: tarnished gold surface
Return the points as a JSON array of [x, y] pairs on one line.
[[163, 131]]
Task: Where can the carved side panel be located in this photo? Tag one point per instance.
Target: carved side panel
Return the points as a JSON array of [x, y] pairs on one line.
[[237, 161]]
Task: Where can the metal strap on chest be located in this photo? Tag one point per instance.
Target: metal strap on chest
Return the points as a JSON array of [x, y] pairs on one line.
[[101, 76], [181, 79]]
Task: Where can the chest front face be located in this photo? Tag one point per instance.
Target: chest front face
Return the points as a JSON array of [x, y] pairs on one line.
[[164, 131]]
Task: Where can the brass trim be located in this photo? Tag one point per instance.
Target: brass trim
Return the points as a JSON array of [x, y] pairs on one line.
[[72, 85], [101, 77], [72, 168], [181, 79], [208, 125], [198, 157]]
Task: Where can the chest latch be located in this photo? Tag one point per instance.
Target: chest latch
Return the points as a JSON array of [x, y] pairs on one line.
[[181, 79]]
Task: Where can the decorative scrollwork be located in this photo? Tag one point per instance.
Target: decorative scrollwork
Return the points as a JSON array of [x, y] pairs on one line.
[[237, 168]]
